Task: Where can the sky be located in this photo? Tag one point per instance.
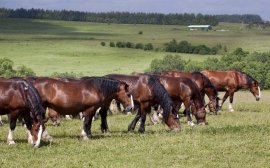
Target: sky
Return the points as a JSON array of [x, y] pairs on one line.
[[260, 7]]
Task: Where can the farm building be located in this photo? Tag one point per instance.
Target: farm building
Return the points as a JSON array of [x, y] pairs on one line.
[[200, 27]]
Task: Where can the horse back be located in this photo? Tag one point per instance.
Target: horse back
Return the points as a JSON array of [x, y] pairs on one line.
[[223, 80], [10, 97]]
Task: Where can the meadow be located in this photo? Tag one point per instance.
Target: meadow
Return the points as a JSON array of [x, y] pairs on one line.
[[238, 139], [59, 46], [231, 139]]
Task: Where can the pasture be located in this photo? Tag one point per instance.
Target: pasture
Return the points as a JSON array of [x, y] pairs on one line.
[[58, 46], [238, 139]]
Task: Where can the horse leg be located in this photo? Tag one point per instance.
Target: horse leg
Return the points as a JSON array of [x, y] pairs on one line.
[[224, 98], [28, 123], [12, 125], [103, 116], [133, 123], [187, 104], [154, 117], [87, 122], [145, 108], [231, 101], [1, 122]]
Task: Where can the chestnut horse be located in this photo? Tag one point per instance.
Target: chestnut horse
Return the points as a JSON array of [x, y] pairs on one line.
[[147, 91], [204, 84], [184, 90], [87, 95], [19, 98], [231, 81]]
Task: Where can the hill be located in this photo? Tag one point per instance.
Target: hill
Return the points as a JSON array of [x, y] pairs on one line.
[[59, 46]]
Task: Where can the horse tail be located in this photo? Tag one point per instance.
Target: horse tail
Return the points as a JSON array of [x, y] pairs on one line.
[[160, 96], [32, 98]]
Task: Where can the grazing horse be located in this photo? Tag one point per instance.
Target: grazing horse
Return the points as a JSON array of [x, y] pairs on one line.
[[87, 95], [146, 91], [184, 90], [230, 82], [204, 84], [19, 98]]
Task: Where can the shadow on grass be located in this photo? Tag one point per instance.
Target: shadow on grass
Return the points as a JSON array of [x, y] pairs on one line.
[[45, 30]]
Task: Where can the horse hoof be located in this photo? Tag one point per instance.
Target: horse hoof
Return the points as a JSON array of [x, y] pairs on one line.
[[231, 110], [11, 143], [190, 123], [202, 124], [176, 130]]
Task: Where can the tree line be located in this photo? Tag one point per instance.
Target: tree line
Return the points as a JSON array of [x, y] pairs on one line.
[[111, 17], [255, 64], [247, 18]]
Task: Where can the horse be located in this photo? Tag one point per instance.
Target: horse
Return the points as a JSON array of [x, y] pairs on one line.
[[186, 91], [232, 81], [204, 84], [87, 95], [146, 91], [19, 98]]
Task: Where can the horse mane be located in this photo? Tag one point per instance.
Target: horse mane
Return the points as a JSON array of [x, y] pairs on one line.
[[207, 81], [32, 97], [160, 95], [106, 85], [248, 77]]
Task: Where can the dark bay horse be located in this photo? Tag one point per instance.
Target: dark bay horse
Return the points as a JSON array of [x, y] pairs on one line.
[[147, 91], [204, 84], [19, 98], [184, 90], [232, 81], [85, 95]]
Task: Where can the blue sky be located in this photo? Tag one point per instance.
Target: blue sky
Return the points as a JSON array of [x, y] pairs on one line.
[[261, 7]]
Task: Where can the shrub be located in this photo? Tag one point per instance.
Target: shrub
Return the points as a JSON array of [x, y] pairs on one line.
[[140, 32], [102, 43], [23, 71], [129, 45], [120, 44], [148, 46], [139, 46], [112, 44], [169, 62]]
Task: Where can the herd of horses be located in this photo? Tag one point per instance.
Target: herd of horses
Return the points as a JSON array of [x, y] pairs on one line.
[[29, 97]]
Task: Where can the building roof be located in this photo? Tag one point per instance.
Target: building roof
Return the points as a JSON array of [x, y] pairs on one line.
[[199, 26]]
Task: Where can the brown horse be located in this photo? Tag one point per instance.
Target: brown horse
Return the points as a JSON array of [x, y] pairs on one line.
[[231, 81], [19, 98], [184, 90], [204, 84], [147, 91], [87, 95]]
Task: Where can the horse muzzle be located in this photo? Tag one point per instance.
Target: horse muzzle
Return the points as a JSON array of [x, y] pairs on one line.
[[258, 98], [128, 108]]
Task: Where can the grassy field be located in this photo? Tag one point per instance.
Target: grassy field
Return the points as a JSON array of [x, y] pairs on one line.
[[238, 139], [58, 46]]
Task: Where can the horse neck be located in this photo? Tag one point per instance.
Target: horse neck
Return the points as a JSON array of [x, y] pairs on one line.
[[244, 80], [198, 100], [160, 95], [32, 99]]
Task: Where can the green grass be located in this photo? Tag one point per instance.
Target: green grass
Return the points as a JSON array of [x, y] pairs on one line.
[[58, 46], [238, 139]]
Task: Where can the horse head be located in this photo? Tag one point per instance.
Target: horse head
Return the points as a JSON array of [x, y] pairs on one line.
[[173, 121], [37, 111], [255, 89], [124, 97]]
